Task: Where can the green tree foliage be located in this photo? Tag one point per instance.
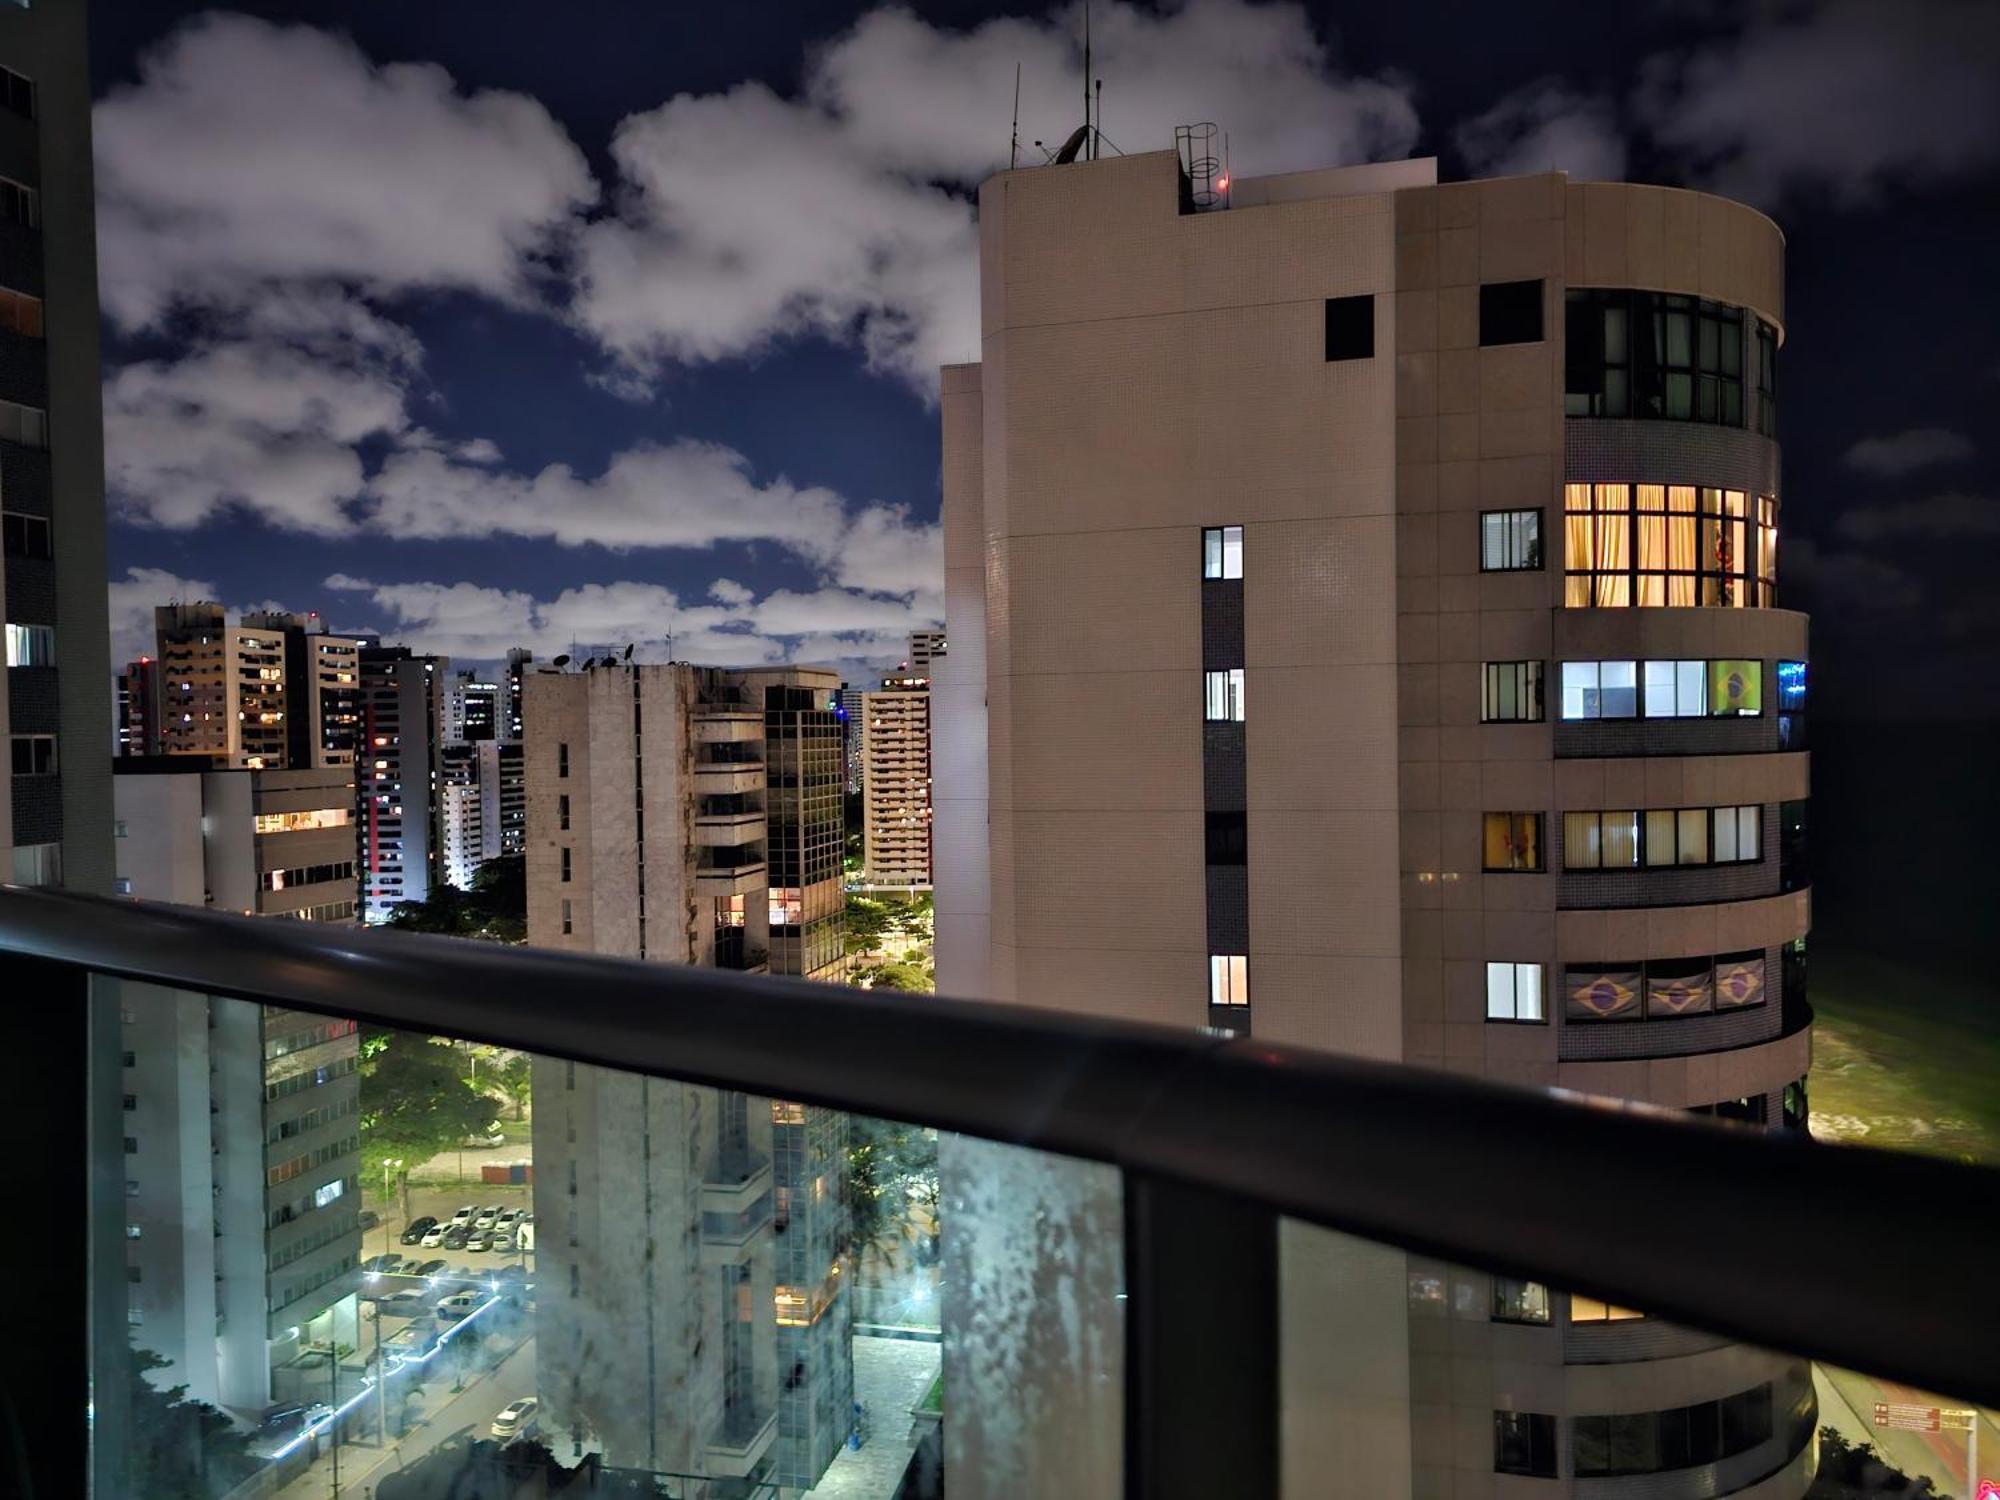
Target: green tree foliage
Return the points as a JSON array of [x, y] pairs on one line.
[[1855, 1471], [495, 909], [908, 977], [868, 922], [415, 1102], [180, 1449], [515, 1079], [890, 1167]]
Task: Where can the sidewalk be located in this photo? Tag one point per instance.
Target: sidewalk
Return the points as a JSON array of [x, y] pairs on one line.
[[1847, 1404]]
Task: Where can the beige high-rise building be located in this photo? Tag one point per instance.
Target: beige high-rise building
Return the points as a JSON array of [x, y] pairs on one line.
[[896, 783], [1364, 600], [689, 815], [927, 648], [222, 686]]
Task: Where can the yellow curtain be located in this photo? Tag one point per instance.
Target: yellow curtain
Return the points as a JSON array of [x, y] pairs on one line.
[[1614, 545]]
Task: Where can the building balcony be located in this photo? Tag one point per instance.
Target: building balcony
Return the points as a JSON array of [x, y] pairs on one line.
[[728, 830], [1137, 1223], [720, 778], [727, 877], [718, 725]]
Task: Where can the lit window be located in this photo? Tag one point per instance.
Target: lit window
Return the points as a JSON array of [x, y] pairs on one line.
[[325, 1195], [1791, 686], [26, 425], [1600, 689], [1735, 689], [1228, 979], [1674, 689], [1223, 694], [1674, 545], [1519, 1301], [1510, 692], [1222, 552], [31, 645], [1510, 540], [1601, 840], [1514, 992], [1584, 1309], [1512, 841]]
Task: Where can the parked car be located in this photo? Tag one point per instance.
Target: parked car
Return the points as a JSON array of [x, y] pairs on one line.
[[285, 1414], [508, 1218], [456, 1236], [515, 1418], [487, 1215], [464, 1215], [486, 1138], [367, 1219], [434, 1236], [481, 1240], [431, 1268], [381, 1265], [418, 1229], [418, 1338], [456, 1306]]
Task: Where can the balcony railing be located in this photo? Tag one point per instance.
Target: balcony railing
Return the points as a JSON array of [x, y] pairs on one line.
[[1205, 1146]]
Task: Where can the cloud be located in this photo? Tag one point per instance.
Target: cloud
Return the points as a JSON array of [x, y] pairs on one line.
[[1952, 514], [1903, 452], [1849, 97], [1849, 581], [1544, 127], [729, 591], [133, 599], [251, 155], [474, 622], [743, 218]]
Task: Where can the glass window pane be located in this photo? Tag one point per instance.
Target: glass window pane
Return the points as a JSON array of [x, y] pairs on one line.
[[1691, 829], [1620, 835], [1499, 992], [1725, 835], [1660, 836], [1618, 690], [1580, 690], [1749, 828], [1527, 992], [1659, 690], [1688, 676], [1232, 552], [1582, 844], [1211, 552]]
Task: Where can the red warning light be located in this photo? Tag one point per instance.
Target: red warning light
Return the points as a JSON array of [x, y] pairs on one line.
[[1222, 183]]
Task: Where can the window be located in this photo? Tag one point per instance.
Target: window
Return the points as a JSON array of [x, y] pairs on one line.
[[20, 313], [31, 645], [1524, 1442], [1767, 379], [1674, 689], [1791, 686], [26, 536], [1656, 355], [26, 425], [299, 822], [1510, 312], [17, 93], [1600, 690], [565, 866], [562, 812], [326, 1194], [34, 754], [1228, 979], [1223, 694], [1735, 689], [20, 205], [1350, 327], [1513, 841], [1737, 831], [562, 759], [1676, 545], [1228, 838], [1222, 552], [1514, 992], [1519, 1301], [568, 925], [1509, 540], [1602, 993], [1510, 692], [1601, 840], [1584, 1309], [121, 885]]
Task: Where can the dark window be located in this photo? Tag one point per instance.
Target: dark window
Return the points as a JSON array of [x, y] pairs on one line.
[[26, 536], [1350, 327], [1510, 692], [20, 205], [17, 93], [565, 866], [562, 759], [562, 812], [1767, 380], [1510, 312], [1519, 1301], [1228, 838], [1797, 1111], [1794, 846], [1524, 1442], [34, 754], [1509, 540], [1653, 354]]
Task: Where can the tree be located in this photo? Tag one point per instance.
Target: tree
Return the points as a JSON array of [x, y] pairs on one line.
[[179, 1449], [1855, 1471], [890, 1165], [515, 1078], [907, 977], [495, 909], [868, 922], [414, 1104]]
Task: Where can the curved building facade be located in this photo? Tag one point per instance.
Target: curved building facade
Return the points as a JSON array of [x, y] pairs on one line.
[[1365, 608]]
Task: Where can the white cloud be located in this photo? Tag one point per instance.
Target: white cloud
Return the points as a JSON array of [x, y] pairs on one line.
[[478, 623], [251, 154], [1952, 514], [258, 427], [133, 600], [1544, 127], [1850, 96], [845, 213], [1903, 452], [729, 591]]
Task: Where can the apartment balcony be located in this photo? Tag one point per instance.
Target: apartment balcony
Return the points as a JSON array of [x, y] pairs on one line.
[[727, 726], [715, 778], [728, 830], [1203, 1264], [718, 873]]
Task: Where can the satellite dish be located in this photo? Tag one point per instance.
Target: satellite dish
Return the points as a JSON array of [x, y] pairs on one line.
[[562, 661], [1073, 145], [628, 651]]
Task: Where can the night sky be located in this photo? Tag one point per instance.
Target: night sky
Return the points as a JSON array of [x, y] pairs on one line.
[[483, 324]]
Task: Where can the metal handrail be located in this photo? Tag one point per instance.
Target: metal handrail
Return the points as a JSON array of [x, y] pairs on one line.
[[1865, 1258]]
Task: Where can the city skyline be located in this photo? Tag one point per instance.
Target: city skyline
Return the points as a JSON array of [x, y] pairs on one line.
[[747, 428]]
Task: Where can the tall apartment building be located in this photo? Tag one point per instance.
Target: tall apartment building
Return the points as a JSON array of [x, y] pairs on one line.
[[689, 815], [927, 647], [482, 806], [849, 703], [222, 686], [398, 777], [474, 707], [55, 799], [896, 783], [1398, 641], [520, 661], [243, 1237], [323, 688], [137, 706]]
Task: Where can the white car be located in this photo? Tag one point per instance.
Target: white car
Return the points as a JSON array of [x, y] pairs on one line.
[[464, 1215], [508, 1219], [516, 1417], [486, 1217], [435, 1237]]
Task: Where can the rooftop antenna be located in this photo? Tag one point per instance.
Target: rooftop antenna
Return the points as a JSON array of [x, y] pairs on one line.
[[1090, 155], [1014, 135], [1097, 131]]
